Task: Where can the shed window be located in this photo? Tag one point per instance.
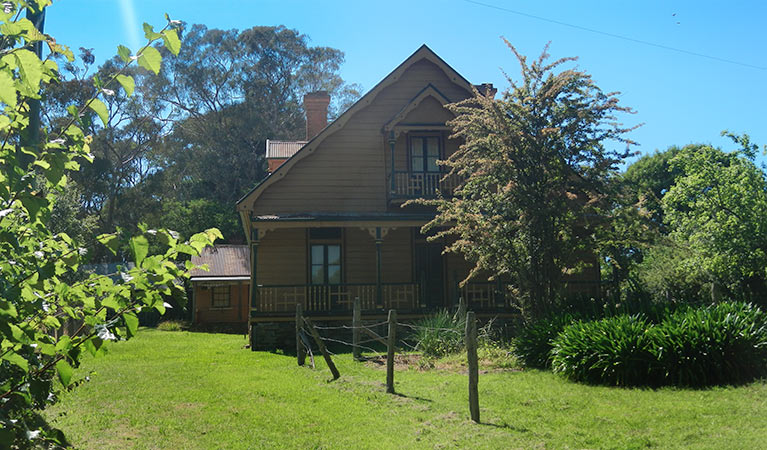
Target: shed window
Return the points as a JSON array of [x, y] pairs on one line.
[[221, 297]]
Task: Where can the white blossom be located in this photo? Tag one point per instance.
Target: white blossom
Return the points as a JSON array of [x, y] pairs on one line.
[[105, 335]]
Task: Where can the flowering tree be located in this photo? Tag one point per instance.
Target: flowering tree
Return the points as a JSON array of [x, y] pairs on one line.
[[40, 288], [535, 167]]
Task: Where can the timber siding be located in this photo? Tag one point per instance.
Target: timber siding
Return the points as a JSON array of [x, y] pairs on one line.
[[286, 253], [347, 171], [236, 312]]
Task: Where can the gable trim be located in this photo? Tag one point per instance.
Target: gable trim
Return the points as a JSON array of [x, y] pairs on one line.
[[429, 91], [423, 52]]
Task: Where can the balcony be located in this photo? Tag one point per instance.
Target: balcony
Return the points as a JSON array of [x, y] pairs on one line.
[[409, 185], [339, 298]]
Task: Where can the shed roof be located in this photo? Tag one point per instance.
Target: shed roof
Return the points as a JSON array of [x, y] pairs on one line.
[[282, 149], [223, 261]]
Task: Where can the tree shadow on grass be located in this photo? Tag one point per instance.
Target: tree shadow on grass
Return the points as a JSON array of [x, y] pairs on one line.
[[505, 425], [413, 397]]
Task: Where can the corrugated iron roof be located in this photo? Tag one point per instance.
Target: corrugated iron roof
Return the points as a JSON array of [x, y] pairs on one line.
[[223, 261], [283, 149]]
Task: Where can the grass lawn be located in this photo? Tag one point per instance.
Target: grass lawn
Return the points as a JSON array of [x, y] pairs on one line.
[[193, 390]]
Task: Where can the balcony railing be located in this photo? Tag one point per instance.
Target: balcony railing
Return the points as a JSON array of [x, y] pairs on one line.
[[338, 297], [422, 184], [485, 295]]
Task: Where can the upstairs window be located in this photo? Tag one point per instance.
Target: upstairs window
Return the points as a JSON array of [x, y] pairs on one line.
[[424, 153]]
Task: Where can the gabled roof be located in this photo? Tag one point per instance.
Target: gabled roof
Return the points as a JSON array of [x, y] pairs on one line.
[[428, 91], [282, 149], [224, 261], [422, 53]]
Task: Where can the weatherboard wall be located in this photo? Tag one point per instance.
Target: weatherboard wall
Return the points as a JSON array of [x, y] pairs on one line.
[[347, 172]]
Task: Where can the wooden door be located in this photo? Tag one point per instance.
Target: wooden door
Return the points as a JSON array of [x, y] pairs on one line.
[[429, 274]]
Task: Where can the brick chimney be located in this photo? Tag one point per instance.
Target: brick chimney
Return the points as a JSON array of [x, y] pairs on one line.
[[486, 89], [316, 107]]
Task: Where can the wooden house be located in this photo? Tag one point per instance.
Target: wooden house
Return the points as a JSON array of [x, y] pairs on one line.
[[328, 224], [221, 294]]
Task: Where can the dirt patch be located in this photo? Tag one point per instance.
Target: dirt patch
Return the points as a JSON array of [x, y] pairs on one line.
[[401, 362], [421, 363]]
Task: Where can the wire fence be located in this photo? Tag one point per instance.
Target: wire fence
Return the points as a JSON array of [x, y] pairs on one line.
[[304, 347]]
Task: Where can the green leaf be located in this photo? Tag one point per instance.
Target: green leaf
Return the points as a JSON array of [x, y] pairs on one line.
[[31, 70], [51, 322], [172, 43], [124, 53], [140, 247], [111, 241], [64, 371], [150, 59], [93, 345], [131, 323], [110, 302], [64, 343], [33, 205], [7, 89], [7, 309], [127, 83], [149, 32], [101, 109], [15, 358]]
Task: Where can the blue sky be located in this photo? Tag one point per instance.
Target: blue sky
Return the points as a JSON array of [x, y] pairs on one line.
[[680, 98]]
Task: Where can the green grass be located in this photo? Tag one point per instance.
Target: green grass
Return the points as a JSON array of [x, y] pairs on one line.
[[195, 390]]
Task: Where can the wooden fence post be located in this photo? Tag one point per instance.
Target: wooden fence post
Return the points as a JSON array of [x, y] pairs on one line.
[[300, 351], [322, 348], [356, 324], [461, 308], [471, 356], [390, 341]]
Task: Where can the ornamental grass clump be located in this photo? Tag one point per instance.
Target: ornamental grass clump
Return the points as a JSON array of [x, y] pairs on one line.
[[615, 351], [440, 334], [719, 344]]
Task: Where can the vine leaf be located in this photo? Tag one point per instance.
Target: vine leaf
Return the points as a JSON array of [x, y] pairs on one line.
[[101, 109], [128, 83], [140, 247], [150, 59], [64, 371], [172, 43], [124, 52]]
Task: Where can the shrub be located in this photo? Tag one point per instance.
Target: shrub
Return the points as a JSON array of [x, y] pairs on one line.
[[724, 343], [704, 346], [172, 325], [615, 350], [533, 345], [440, 334]]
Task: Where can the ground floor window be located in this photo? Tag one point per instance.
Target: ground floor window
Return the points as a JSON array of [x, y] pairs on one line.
[[326, 264], [220, 297]]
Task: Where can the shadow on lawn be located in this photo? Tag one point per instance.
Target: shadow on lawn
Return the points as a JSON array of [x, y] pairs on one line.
[[413, 397], [506, 426]]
